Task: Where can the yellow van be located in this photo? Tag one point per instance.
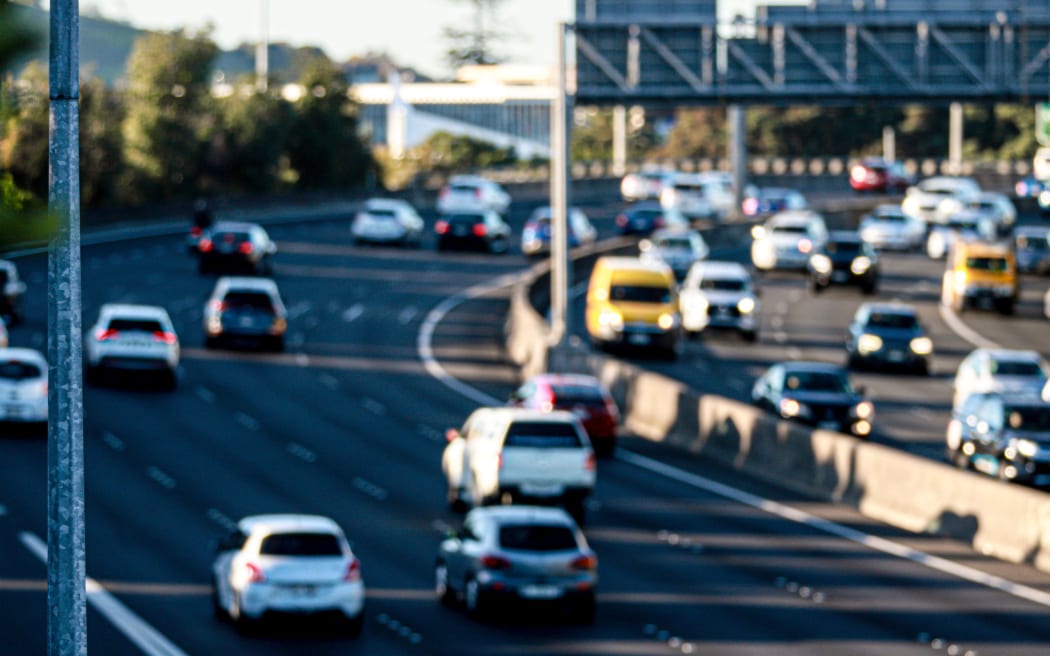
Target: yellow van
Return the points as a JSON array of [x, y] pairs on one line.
[[980, 274], [633, 303]]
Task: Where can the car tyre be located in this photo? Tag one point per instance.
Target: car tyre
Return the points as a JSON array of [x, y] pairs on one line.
[[276, 344], [585, 610], [456, 503], [750, 336], [1005, 308], [474, 599], [353, 626], [815, 287], [211, 342], [216, 605], [442, 590]]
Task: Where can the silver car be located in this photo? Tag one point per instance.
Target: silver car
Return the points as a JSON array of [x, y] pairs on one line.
[[517, 554]]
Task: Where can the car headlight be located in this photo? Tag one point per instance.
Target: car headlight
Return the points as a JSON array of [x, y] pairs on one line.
[[960, 279], [921, 346], [1027, 448], [821, 263], [758, 232], [746, 305], [860, 265], [791, 408], [611, 319], [667, 321], [869, 343], [864, 410]]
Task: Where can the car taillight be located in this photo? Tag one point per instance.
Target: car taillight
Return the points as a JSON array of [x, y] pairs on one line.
[[499, 462], [164, 336], [205, 245], [591, 463], [217, 305], [196, 231], [353, 571], [494, 562], [102, 335], [477, 193], [750, 206], [255, 573], [621, 220], [445, 191], [480, 230], [588, 563], [441, 227], [245, 247], [658, 222]]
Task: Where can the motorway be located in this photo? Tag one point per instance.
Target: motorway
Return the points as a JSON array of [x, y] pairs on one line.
[[349, 423]]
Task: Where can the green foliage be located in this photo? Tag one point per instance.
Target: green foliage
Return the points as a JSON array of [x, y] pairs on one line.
[[101, 143], [449, 153], [169, 117], [24, 137], [247, 150], [698, 132], [324, 149]]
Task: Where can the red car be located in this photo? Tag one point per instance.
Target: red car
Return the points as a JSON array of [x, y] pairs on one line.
[[579, 394], [876, 174]]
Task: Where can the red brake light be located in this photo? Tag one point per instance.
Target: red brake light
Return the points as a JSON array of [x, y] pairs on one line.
[[591, 463], [205, 245], [477, 192], [587, 562], [164, 336], [353, 571], [658, 222], [494, 562], [441, 227], [245, 247], [217, 305], [621, 220], [255, 573], [499, 463], [480, 230], [196, 231], [102, 335], [445, 191]]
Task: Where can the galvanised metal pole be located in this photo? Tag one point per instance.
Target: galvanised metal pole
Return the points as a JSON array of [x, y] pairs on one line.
[[737, 154], [66, 597], [560, 199]]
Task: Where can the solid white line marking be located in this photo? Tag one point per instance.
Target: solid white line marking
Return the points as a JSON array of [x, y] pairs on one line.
[[302, 359], [425, 349], [3, 509], [204, 394], [162, 479], [246, 421], [962, 330], [406, 315], [353, 312], [113, 442], [853, 535], [134, 628], [373, 406]]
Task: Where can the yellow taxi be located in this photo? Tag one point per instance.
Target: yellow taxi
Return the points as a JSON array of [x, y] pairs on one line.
[[633, 303], [980, 274]]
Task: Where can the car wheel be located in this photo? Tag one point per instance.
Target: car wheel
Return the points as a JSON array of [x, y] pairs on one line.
[[276, 344], [211, 342], [750, 336], [815, 287], [1006, 307], [473, 598], [169, 380], [442, 590], [355, 625], [869, 290]]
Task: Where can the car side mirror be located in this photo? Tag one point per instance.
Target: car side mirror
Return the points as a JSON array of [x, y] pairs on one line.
[[452, 435]]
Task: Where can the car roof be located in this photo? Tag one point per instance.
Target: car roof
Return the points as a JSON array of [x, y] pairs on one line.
[[804, 365], [287, 523], [384, 203], [792, 217], [625, 263], [18, 353], [233, 226], [721, 268], [1019, 355], [246, 283], [526, 515], [133, 310], [567, 379], [527, 414]]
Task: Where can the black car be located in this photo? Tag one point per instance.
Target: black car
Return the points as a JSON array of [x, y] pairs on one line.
[[814, 393], [236, 247], [844, 259], [11, 290], [1002, 435], [644, 218], [478, 231], [888, 335]]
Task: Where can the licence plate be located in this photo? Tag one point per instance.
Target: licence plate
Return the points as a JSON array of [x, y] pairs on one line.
[[459, 230], [896, 356], [303, 590], [245, 321], [638, 338], [541, 591], [13, 410], [828, 425], [840, 276]]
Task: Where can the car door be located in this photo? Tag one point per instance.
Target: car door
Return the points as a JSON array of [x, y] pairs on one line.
[[989, 427]]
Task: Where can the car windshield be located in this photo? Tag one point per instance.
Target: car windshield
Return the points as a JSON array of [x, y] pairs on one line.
[[691, 187], [230, 237], [892, 320], [1016, 368], [246, 300], [135, 325], [790, 229], [537, 537], [640, 294], [674, 243], [465, 219], [890, 218], [577, 394], [465, 188], [1028, 418], [647, 214], [19, 370], [816, 381], [843, 247], [937, 190], [957, 224], [993, 264], [723, 284], [542, 435], [300, 544], [1034, 243]]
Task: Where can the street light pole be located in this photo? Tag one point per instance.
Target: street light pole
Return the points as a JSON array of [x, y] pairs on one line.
[[66, 578], [262, 49], [560, 273]]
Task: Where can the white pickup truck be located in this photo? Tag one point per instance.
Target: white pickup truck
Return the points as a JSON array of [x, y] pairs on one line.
[[514, 455]]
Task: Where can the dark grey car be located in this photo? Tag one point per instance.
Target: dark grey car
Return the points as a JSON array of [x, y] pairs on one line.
[[517, 555]]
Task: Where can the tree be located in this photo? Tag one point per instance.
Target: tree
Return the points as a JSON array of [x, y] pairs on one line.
[[324, 149], [25, 134], [475, 44], [452, 153], [247, 150], [101, 143], [170, 115]]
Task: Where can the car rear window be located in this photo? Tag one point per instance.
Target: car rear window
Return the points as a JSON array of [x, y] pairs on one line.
[[537, 537], [1016, 368], [300, 544], [19, 370], [256, 300], [382, 214], [135, 325], [1035, 243], [573, 394], [647, 214], [891, 218], [674, 243], [465, 219], [993, 264], [230, 237], [640, 294], [542, 434], [790, 229], [464, 188]]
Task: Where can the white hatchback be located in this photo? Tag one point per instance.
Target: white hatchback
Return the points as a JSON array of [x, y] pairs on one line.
[[470, 193], [294, 564], [23, 386], [132, 339], [787, 239], [387, 221], [999, 370]]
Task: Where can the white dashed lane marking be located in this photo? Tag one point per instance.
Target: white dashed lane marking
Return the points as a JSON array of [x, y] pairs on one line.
[[162, 479], [113, 442], [407, 315], [301, 452], [204, 394], [247, 421], [373, 406], [353, 312]]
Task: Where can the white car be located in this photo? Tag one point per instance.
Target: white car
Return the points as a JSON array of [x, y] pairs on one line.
[[787, 239], [719, 295], [678, 249], [517, 455], [999, 370], [133, 339], [23, 386], [963, 225], [295, 564], [992, 204], [471, 193], [387, 221], [644, 185], [699, 195], [924, 200], [888, 227], [1041, 164]]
